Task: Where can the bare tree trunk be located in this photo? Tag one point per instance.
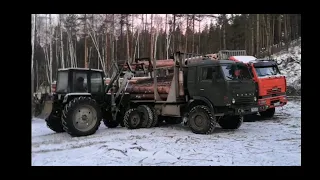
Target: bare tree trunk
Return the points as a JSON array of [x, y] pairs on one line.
[[279, 30], [224, 31], [86, 63], [186, 34], [155, 45], [199, 49], [252, 35], [33, 34], [151, 37], [106, 49], [135, 47], [128, 46], [51, 35], [61, 41], [132, 37], [165, 30], [193, 18], [258, 37]]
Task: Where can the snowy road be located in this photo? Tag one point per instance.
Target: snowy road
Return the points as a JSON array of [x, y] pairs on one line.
[[275, 142]]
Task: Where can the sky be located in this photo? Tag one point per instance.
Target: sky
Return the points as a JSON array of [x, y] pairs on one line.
[[138, 20]]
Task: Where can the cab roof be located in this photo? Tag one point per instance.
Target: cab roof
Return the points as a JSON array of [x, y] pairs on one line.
[[210, 62]]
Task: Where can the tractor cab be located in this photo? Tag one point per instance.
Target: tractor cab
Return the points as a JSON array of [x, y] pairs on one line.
[[79, 80]]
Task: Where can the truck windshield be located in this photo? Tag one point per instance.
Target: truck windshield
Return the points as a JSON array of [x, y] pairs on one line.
[[236, 71], [267, 71]]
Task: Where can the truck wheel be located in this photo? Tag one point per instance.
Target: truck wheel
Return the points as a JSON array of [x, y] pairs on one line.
[[201, 121], [146, 116], [155, 117], [132, 119], [108, 122], [54, 123], [81, 116], [231, 122], [269, 113]]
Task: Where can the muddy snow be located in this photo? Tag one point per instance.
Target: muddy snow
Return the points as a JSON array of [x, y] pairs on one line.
[[275, 142]]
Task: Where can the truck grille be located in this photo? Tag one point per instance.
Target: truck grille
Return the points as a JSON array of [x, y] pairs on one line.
[[244, 100], [274, 91]]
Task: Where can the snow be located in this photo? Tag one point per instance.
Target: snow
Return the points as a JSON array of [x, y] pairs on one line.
[[291, 64], [275, 142], [245, 59]]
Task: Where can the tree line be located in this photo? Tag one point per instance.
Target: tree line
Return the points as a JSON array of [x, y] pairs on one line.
[[96, 40]]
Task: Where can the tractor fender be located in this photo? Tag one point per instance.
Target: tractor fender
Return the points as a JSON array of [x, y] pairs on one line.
[[202, 100], [69, 96]]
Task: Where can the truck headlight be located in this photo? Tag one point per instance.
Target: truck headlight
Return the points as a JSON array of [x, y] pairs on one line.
[[233, 101], [255, 98]]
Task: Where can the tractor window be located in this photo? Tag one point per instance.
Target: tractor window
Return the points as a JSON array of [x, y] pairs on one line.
[[267, 71], [96, 82], [80, 82], [207, 73], [62, 83]]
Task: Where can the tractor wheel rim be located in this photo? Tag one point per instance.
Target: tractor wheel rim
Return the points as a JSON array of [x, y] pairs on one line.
[[85, 118], [135, 119]]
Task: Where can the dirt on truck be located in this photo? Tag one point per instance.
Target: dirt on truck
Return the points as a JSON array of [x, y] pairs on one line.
[[271, 84]]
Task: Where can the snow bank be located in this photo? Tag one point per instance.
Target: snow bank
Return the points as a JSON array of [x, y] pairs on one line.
[[291, 66]]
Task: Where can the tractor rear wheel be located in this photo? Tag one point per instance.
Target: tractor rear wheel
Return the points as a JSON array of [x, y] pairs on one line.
[[132, 119], [54, 123], [155, 117], [146, 116], [201, 121], [231, 122], [81, 116], [269, 113]]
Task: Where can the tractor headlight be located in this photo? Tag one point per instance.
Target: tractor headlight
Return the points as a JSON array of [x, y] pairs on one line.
[[255, 98], [233, 101]]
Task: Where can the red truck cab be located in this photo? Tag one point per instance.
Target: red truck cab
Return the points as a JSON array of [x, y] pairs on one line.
[[270, 83]]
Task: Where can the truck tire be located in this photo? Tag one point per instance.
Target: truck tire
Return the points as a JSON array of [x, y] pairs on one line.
[[269, 113], [201, 121], [132, 119], [231, 122], [146, 116], [155, 117], [88, 113], [54, 123]]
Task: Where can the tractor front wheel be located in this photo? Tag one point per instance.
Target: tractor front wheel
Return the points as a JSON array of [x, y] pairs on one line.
[[54, 123], [81, 116]]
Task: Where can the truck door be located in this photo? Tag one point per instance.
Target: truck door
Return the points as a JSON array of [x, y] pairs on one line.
[[210, 84]]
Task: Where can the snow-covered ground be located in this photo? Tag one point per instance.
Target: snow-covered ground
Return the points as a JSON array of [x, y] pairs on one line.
[[275, 142], [291, 64]]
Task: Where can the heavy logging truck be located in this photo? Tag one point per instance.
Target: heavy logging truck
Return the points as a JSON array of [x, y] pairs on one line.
[[204, 92]]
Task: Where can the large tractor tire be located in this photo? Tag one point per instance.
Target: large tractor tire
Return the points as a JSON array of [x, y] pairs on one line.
[[81, 117], [132, 119], [231, 122], [54, 123], [201, 120], [146, 116], [269, 113]]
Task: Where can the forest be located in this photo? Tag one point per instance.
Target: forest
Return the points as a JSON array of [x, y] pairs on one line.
[[97, 40]]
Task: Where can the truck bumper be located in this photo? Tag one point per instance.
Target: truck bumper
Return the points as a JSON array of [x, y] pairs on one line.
[[245, 110], [267, 103]]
